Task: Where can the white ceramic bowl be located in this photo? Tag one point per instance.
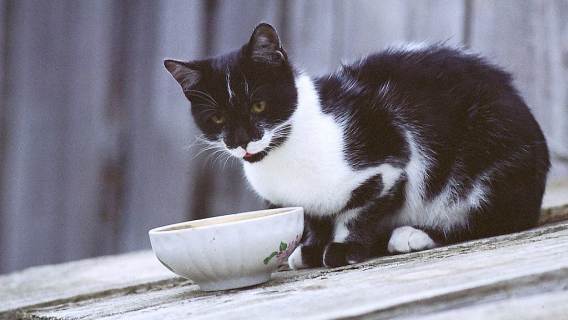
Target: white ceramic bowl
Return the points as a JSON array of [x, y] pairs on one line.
[[229, 251]]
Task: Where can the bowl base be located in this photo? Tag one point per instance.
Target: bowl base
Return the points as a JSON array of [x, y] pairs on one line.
[[241, 282]]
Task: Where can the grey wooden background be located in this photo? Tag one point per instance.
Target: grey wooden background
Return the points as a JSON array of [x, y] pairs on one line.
[[95, 137]]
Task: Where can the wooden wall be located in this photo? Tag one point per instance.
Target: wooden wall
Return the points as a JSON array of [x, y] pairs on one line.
[[96, 141]]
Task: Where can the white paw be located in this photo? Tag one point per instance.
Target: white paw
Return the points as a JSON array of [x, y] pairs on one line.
[[295, 259], [407, 239]]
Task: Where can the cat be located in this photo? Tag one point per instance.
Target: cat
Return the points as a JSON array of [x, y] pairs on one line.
[[404, 150]]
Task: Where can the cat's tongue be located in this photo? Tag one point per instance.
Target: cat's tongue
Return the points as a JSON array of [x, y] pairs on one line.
[[248, 155]]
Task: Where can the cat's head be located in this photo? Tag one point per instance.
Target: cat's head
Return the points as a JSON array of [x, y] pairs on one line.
[[243, 100]]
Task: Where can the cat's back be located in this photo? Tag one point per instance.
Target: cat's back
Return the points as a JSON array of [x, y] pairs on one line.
[[433, 66], [447, 94], [461, 115]]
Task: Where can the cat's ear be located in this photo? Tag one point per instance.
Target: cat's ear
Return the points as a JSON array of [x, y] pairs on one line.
[[186, 74], [264, 45]]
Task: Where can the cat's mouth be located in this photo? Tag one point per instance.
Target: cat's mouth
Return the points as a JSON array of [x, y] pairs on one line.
[[254, 150], [258, 152], [254, 157]]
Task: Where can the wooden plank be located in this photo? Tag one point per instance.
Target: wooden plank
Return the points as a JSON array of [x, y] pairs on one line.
[[407, 285], [434, 21], [144, 188], [110, 277], [370, 26], [157, 117], [180, 36], [97, 276], [526, 37], [555, 52], [232, 31], [108, 141], [5, 123], [538, 306], [314, 35], [551, 37], [555, 203], [86, 73], [32, 185]]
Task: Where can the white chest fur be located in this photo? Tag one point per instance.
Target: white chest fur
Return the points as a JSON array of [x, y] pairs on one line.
[[309, 169]]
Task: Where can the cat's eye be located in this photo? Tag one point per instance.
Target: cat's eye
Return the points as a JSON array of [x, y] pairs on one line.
[[218, 119], [258, 107]]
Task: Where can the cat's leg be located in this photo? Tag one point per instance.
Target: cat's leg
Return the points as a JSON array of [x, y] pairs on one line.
[[351, 240], [408, 239], [317, 233], [338, 254], [309, 253], [358, 232], [510, 202]]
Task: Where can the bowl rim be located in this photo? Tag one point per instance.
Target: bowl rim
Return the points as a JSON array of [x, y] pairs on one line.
[[270, 214]]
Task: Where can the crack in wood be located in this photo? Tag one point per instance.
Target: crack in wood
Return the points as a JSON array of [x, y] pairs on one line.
[[556, 280]]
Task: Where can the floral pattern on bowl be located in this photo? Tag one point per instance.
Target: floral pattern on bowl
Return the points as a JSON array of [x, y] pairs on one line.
[[284, 251]]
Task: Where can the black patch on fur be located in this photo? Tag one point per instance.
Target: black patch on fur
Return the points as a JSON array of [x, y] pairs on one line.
[[365, 192], [259, 71], [338, 254], [312, 255]]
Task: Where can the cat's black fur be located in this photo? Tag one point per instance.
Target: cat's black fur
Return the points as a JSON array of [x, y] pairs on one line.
[[256, 75], [471, 122]]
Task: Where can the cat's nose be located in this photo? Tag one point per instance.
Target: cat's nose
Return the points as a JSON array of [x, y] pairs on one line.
[[239, 138]]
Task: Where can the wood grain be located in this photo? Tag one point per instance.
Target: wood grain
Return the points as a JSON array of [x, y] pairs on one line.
[[90, 277], [93, 131], [434, 21], [528, 39], [472, 275], [517, 266], [33, 163]]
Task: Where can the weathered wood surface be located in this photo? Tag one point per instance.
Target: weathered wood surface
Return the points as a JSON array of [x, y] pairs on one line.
[[85, 278], [93, 130], [555, 203], [523, 275], [520, 266]]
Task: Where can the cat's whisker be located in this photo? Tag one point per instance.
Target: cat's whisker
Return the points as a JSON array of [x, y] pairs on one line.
[[208, 148], [219, 156], [209, 142], [201, 152], [191, 145], [205, 150], [228, 160], [215, 154], [206, 99], [206, 108], [284, 126], [204, 95], [245, 83], [198, 140]]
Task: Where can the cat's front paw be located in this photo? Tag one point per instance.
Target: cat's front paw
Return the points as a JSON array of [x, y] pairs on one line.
[[407, 239], [295, 261], [305, 256], [338, 254]]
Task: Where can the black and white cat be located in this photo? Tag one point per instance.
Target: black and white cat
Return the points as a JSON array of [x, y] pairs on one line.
[[404, 150]]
